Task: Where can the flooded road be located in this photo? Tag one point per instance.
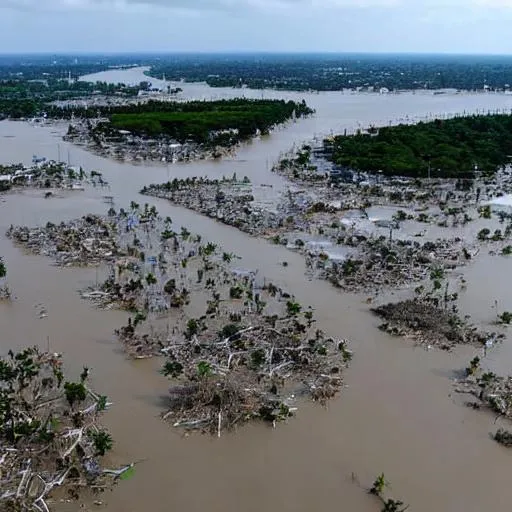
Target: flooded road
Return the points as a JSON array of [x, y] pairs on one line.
[[396, 416]]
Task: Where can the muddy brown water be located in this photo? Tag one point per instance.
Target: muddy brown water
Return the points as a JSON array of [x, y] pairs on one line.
[[397, 415]]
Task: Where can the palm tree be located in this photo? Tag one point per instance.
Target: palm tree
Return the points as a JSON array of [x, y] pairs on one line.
[[185, 233], [209, 248], [437, 273]]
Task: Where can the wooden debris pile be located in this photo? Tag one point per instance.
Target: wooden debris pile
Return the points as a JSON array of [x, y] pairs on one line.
[[228, 200], [355, 257], [254, 373], [236, 347], [237, 362], [49, 434], [5, 292], [427, 323], [88, 240], [379, 263], [47, 174]]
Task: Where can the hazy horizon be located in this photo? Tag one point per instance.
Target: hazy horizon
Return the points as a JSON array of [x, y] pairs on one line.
[[465, 27], [136, 53]]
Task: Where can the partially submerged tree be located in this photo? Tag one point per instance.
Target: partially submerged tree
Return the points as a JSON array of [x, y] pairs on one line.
[[388, 504], [379, 485], [5, 293], [49, 433]]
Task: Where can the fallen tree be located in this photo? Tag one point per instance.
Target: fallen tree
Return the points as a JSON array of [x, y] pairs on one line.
[[247, 358], [49, 434], [237, 364]]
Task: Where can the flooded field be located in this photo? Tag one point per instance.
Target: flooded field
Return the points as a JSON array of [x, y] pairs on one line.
[[397, 415]]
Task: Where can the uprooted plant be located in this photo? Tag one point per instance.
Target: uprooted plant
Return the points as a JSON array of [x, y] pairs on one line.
[[49, 433], [388, 504], [492, 392]]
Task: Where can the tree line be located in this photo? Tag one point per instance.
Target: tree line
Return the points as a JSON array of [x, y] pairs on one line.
[[448, 148], [22, 98], [330, 72]]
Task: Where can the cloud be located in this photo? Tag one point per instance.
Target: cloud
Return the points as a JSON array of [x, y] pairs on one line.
[[65, 5], [211, 5], [410, 10]]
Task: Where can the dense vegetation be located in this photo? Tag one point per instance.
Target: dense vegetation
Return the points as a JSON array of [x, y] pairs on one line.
[[37, 66], [29, 83], [326, 72], [223, 121], [451, 148], [322, 72], [21, 98]]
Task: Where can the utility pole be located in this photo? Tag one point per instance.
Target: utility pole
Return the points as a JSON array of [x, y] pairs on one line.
[[428, 157]]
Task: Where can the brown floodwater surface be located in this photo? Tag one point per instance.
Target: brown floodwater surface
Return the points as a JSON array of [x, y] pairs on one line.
[[397, 415]]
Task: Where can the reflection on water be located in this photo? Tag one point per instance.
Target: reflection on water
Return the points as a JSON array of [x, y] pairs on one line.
[[396, 415]]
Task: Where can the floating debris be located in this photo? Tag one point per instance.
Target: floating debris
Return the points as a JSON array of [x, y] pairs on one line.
[[492, 392], [86, 241], [428, 324], [228, 200], [48, 175], [237, 348], [237, 364], [335, 248]]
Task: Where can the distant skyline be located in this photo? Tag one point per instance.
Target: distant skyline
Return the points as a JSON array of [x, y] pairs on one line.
[[366, 26]]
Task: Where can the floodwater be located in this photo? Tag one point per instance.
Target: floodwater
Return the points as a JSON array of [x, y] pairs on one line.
[[397, 415]]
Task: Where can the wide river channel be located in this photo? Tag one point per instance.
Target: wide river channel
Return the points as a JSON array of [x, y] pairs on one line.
[[398, 413]]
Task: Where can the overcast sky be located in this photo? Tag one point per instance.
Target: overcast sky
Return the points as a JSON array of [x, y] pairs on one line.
[[453, 26]]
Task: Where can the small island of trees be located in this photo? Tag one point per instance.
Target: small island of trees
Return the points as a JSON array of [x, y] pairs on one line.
[[453, 148], [217, 122]]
